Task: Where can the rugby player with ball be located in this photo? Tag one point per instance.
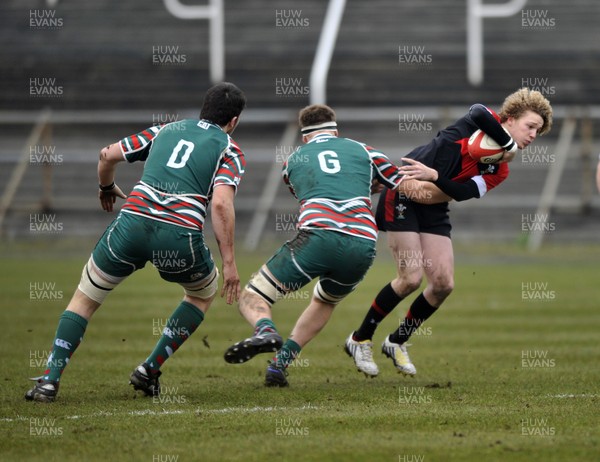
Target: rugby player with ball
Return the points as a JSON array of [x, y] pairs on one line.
[[464, 161]]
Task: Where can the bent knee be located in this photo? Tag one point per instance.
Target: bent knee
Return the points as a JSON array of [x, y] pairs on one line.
[[442, 287], [407, 283]]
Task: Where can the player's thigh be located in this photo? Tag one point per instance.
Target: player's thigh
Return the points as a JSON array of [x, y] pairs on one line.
[[121, 250], [282, 273], [292, 265], [117, 254], [438, 257], [408, 254], [348, 260], [180, 255], [341, 259]]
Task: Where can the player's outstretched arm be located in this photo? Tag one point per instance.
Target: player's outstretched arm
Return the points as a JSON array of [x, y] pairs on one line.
[[422, 192], [440, 186], [223, 221], [108, 192], [417, 183]]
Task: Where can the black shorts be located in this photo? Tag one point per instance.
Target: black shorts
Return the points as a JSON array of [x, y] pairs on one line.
[[397, 213]]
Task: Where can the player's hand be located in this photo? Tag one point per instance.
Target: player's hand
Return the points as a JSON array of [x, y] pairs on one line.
[[231, 283], [416, 170], [108, 198], [507, 157], [376, 186]]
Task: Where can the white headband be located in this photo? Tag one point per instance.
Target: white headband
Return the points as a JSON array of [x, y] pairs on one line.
[[324, 126]]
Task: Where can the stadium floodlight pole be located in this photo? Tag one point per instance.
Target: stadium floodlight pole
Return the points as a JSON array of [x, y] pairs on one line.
[[214, 13], [476, 11], [320, 67]]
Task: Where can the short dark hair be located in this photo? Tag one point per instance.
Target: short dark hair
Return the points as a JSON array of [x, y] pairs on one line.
[[315, 114], [222, 102]]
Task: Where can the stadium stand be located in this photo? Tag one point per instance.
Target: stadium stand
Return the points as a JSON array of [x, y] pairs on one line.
[[104, 58]]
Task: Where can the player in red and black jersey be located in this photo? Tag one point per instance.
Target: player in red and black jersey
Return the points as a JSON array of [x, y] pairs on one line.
[[416, 218]]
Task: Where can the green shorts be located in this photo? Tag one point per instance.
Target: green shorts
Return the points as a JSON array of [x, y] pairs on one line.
[[339, 260], [179, 254]]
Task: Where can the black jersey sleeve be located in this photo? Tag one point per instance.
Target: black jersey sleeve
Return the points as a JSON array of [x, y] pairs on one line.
[[458, 191], [485, 121]]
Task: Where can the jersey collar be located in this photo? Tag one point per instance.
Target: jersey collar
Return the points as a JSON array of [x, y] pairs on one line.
[[321, 136]]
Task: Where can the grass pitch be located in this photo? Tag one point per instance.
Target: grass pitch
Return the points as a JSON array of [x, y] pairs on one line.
[[507, 370]]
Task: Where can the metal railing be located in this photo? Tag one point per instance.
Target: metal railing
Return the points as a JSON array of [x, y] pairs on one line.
[[566, 118]]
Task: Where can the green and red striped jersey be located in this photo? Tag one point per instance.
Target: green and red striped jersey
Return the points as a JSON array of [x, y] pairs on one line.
[[184, 161], [331, 177]]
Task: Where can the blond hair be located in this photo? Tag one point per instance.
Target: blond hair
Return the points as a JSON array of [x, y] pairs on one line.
[[524, 99]]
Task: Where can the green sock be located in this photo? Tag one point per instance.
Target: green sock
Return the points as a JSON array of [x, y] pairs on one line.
[[264, 325], [183, 322], [289, 351], [69, 334]]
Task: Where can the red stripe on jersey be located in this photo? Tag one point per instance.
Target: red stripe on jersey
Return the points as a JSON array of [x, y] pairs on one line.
[[391, 172], [355, 231], [314, 215], [389, 198], [314, 210], [226, 172], [378, 160], [148, 135], [132, 200], [235, 145], [169, 218], [134, 208], [140, 206], [464, 145], [135, 142]]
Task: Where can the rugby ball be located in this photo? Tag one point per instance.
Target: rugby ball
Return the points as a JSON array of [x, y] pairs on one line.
[[484, 149]]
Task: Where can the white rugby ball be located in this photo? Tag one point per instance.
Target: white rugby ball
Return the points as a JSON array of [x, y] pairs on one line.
[[484, 149]]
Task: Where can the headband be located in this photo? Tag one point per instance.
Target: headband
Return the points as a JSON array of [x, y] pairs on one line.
[[323, 126]]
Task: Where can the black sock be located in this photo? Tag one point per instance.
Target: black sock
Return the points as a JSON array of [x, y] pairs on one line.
[[383, 305], [419, 312]]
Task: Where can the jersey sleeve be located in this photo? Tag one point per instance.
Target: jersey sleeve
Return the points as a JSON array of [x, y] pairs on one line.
[[475, 187], [488, 182], [232, 167], [386, 172], [286, 178], [137, 147], [458, 191], [489, 122]]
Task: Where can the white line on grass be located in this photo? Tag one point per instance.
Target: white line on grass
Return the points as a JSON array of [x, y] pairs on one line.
[[564, 395], [227, 410]]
